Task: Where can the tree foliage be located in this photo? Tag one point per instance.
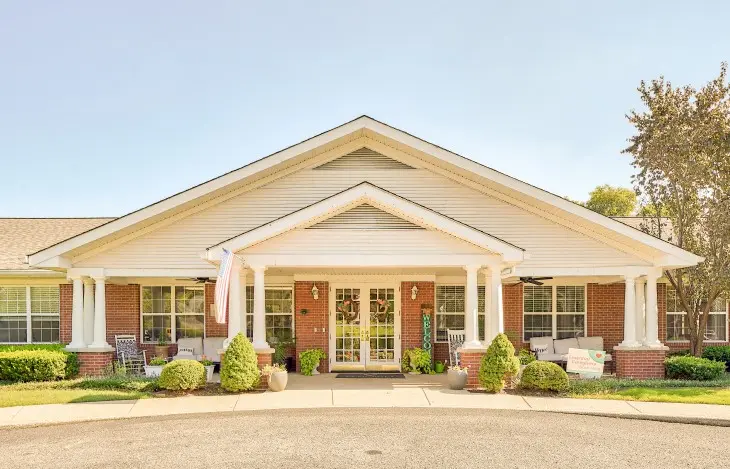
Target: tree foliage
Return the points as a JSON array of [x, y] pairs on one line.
[[681, 149], [612, 201]]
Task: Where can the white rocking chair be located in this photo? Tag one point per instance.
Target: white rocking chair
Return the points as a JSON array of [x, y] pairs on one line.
[[456, 337]]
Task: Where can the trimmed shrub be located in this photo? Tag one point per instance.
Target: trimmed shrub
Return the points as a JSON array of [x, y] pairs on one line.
[[694, 368], [544, 376], [309, 359], [719, 353], [32, 365], [239, 368], [498, 364], [182, 375], [526, 356], [417, 360], [679, 353], [72, 360]]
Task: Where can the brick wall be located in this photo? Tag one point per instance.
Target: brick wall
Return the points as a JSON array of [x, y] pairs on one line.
[[66, 297], [212, 327], [411, 313], [605, 310], [640, 364], [473, 361], [512, 308], [94, 364], [317, 317]]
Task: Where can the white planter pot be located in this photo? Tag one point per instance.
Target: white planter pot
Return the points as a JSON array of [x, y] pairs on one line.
[[153, 371], [457, 379], [209, 373], [277, 381]]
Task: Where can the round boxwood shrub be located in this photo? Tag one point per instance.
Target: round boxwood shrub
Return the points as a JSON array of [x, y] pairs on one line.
[[544, 376], [239, 367], [182, 375], [719, 353], [498, 364], [695, 368]]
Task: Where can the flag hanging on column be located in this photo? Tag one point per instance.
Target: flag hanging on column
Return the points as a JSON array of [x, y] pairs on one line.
[[222, 285]]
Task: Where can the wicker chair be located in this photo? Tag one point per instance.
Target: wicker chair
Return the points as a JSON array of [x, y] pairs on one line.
[[130, 356]]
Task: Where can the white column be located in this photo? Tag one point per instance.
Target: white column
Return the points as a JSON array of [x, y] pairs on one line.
[[496, 310], [652, 315], [471, 322], [639, 307], [100, 314], [237, 301], [630, 312], [88, 311], [77, 313], [259, 315]]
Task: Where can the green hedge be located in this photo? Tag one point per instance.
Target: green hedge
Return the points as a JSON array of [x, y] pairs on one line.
[[694, 368], [182, 375], [32, 365], [719, 353], [72, 360], [239, 367], [544, 376]]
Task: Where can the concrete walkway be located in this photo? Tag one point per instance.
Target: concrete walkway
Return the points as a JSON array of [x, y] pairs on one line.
[[327, 391]]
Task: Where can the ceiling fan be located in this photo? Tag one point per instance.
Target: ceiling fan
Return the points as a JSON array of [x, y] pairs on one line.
[[534, 280], [203, 280]]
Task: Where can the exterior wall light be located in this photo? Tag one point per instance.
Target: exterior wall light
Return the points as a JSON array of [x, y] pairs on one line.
[[315, 292], [414, 292]]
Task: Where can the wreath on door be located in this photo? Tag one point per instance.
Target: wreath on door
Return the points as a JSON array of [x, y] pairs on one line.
[[346, 309], [382, 310]]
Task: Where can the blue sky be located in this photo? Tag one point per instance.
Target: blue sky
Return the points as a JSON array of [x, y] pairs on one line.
[[108, 106]]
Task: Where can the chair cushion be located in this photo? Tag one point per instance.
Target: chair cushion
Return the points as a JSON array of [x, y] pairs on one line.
[[591, 343], [542, 345], [195, 343], [552, 357], [211, 345], [561, 346]]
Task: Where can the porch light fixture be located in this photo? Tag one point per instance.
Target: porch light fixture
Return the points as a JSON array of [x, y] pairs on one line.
[[315, 292], [414, 292]]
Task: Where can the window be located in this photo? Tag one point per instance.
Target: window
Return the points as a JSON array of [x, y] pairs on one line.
[[678, 326], [482, 308], [159, 310], [554, 311], [450, 307], [279, 308], [29, 314]]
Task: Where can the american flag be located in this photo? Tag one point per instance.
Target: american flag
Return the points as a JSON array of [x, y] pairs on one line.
[[221, 286]]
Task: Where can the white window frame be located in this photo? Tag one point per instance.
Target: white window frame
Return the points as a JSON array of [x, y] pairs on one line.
[[173, 325], [29, 314], [554, 306], [684, 313], [249, 308], [481, 289]]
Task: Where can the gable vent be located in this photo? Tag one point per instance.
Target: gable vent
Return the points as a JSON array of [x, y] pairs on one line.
[[364, 158], [365, 217]]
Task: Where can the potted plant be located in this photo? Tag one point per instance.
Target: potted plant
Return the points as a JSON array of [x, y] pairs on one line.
[[439, 367], [162, 349], [276, 375], [416, 361], [154, 369], [209, 367], [309, 361], [457, 377]]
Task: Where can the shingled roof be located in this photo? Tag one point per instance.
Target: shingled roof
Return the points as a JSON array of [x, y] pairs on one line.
[[22, 236]]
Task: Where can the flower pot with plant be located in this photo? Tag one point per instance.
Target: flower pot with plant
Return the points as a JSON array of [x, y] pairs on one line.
[[457, 376], [154, 369], [162, 348], [276, 375], [309, 361], [209, 367], [416, 361]]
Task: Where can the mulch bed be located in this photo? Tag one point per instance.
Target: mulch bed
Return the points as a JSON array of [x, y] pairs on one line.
[[210, 389]]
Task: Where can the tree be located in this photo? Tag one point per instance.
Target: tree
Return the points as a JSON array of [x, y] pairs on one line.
[[681, 150], [612, 201]]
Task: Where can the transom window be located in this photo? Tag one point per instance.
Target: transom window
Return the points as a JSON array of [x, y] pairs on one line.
[[557, 311], [165, 319], [30, 314], [279, 308], [451, 310], [678, 325]]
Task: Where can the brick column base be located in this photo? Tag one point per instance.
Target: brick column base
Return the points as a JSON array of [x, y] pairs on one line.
[[640, 362], [472, 359], [264, 357], [94, 363]]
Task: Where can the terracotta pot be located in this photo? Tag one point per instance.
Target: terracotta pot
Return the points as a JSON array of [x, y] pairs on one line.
[[162, 351], [278, 380], [457, 379]]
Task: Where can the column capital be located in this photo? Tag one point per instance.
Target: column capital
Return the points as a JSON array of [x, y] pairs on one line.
[[99, 278], [472, 268], [88, 280], [74, 276], [258, 268]]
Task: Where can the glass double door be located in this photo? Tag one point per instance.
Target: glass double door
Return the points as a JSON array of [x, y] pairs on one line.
[[365, 327]]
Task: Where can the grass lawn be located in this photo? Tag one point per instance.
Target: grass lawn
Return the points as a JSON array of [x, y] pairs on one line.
[[681, 395], [78, 390]]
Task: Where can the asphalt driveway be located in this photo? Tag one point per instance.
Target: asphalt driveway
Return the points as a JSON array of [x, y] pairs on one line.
[[349, 438]]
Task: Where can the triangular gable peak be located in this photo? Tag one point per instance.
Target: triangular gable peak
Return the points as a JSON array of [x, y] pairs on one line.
[[363, 158], [365, 217], [381, 200]]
